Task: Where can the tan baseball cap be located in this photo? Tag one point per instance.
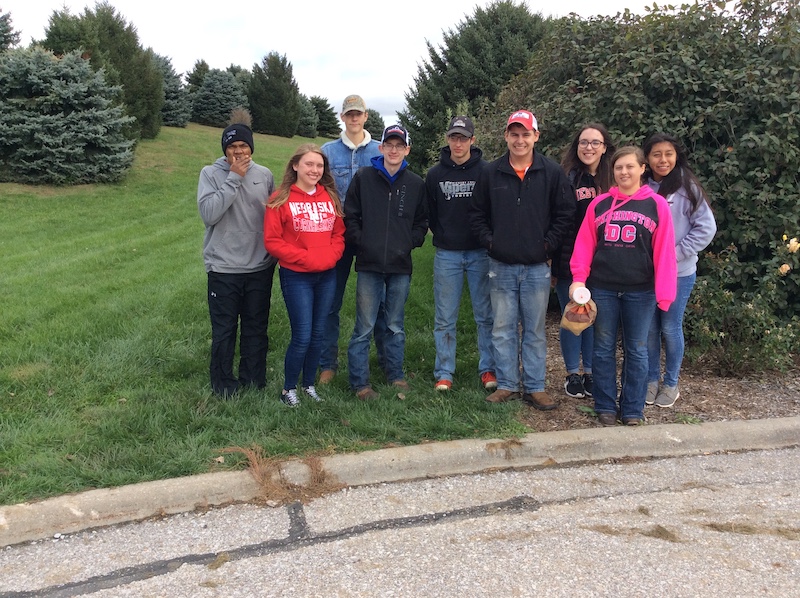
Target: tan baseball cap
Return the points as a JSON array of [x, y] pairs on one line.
[[354, 102]]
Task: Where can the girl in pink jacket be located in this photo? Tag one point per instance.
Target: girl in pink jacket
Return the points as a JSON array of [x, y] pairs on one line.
[[625, 254]]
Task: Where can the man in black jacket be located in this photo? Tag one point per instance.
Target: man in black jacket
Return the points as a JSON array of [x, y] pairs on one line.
[[386, 217], [522, 208]]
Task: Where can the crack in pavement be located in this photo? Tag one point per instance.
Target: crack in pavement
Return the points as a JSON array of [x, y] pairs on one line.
[[299, 536]]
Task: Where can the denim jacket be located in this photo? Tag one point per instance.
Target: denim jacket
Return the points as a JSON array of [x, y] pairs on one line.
[[345, 159]]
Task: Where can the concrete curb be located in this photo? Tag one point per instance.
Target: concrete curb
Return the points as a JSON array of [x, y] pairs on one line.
[[71, 513]]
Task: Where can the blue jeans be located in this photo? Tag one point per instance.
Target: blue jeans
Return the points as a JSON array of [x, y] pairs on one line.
[[574, 348], [449, 268], [308, 297], [668, 325], [371, 289], [330, 350], [520, 294], [634, 312]]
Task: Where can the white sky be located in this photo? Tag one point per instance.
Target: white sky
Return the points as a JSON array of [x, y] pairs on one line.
[[331, 52]]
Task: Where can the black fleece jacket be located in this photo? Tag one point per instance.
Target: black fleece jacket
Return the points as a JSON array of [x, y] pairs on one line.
[[450, 187], [522, 221], [385, 219]]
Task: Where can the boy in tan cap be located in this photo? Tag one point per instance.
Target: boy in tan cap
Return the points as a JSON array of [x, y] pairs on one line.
[[354, 148]]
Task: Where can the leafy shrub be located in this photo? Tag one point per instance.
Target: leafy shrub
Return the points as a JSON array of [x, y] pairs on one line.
[[737, 333], [725, 83], [59, 121]]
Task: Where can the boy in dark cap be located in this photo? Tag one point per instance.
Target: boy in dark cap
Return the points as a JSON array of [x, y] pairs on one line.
[[386, 217], [231, 196], [459, 255]]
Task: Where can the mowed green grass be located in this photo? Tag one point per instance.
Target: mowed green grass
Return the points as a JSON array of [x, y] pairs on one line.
[[104, 341]]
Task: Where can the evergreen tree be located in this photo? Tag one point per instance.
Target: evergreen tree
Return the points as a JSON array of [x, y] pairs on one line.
[[274, 97], [375, 124], [326, 115], [307, 125], [475, 60], [177, 107], [110, 43], [194, 79], [241, 75], [59, 121], [216, 98], [143, 90], [66, 32], [8, 37]]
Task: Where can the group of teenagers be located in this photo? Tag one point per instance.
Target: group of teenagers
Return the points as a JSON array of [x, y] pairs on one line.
[[626, 223]]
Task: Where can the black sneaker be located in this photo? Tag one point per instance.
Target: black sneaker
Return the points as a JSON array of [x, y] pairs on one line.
[[574, 387], [588, 384], [289, 397]]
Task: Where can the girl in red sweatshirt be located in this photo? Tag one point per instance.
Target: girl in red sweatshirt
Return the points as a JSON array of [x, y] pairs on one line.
[[304, 230], [625, 254]]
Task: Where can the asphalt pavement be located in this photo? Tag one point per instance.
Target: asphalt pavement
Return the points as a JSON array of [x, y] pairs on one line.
[[671, 510]]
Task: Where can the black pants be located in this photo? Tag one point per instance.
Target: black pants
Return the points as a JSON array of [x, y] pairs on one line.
[[231, 298]]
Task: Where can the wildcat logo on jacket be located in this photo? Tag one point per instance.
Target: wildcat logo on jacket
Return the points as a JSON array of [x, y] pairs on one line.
[[312, 216]]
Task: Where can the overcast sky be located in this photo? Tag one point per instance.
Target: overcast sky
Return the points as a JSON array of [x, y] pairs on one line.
[[330, 49]]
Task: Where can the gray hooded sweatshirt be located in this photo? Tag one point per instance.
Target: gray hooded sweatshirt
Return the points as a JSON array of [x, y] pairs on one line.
[[232, 208], [694, 229]]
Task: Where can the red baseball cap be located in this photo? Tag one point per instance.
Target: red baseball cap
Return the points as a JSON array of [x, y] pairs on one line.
[[524, 118]]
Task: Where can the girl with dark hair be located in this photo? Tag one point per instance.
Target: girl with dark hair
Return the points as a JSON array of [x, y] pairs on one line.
[[304, 229], [669, 175], [587, 164], [625, 254]]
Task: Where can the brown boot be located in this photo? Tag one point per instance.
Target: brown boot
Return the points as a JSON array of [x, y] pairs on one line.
[[502, 396], [326, 376], [367, 394], [539, 400]]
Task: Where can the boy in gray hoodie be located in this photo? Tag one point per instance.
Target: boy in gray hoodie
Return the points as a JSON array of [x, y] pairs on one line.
[[231, 197]]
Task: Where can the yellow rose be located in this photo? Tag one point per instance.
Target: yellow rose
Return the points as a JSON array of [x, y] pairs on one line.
[[793, 245], [784, 270]]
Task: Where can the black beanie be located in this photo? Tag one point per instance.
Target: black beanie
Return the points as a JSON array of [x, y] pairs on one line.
[[237, 132]]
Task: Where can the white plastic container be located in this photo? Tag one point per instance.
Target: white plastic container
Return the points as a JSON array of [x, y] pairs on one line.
[[581, 295]]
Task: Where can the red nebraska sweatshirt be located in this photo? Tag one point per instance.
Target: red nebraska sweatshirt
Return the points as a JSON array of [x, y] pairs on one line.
[[305, 234]]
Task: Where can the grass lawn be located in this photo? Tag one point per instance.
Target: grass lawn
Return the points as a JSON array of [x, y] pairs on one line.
[[104, 341]]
